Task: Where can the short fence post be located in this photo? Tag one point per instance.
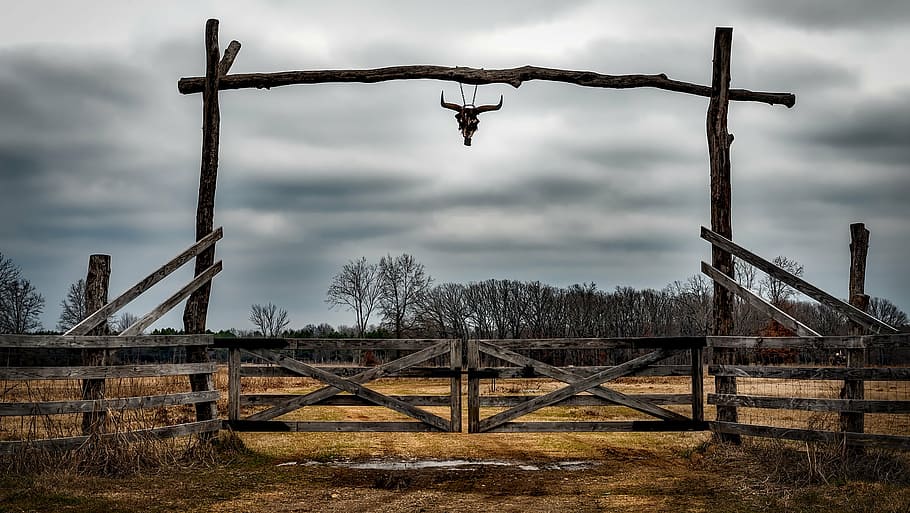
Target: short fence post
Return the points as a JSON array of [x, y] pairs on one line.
[[234, 383], [455, 391], [698, 385], [96, 288], [854, 422], [473, 387]]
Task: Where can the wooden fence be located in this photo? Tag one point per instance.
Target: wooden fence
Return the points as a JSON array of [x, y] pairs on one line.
[[803, 385], [39, 365]]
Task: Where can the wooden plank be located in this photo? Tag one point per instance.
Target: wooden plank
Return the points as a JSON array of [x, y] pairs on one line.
[[169, 303], [854, 314], [342, 400], [836, 437], [104, 371], [133, 292], [328, 344], [579, 385], [227, 60], [812, 404], [354, 388], [101, 342], [698, 385], [531, 373], [191, 428], [571, 378], [116, 404], [854, 389], [363, 377], [499, 401], [455, 352], [820, 343], [610, 426], [757, 302], [267, 371], [277, 426], [473, 361], [599, 343], [234, 384], [96, 288], [513, 76], [821, 373]]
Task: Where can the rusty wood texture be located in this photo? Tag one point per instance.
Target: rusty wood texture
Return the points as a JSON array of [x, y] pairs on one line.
[[757, 302], [97, 282], [853, 313], [515, 77], [146, 283], [196, 309]]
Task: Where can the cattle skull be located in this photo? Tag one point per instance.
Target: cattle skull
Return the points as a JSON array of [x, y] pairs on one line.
[[467, 116]]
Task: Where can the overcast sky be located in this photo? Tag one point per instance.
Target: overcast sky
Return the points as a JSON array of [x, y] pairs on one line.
[[99, 153]]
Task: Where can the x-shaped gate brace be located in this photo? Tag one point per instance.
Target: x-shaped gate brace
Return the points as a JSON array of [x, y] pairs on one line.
[[577, 383], [353, 385]]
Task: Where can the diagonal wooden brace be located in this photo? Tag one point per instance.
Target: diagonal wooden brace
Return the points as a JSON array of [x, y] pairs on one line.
[[571, 378], [580, 385], [352, 387], [375, 373]]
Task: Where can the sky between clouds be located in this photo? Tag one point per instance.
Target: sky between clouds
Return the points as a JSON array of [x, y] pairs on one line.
[[99, 153]]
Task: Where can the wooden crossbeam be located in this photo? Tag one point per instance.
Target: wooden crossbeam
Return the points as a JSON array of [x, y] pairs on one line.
[[352, 387], [373, 373], [133, 292], [757, 302], [856, 315], [571, 378], [578, 386]]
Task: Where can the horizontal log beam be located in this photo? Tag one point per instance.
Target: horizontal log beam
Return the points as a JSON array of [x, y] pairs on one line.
[[277, 426], [105, 372], [757, 302], [855, 314], [599, 343], [515, 77], [810, 404], [612, 426], [900, 340], [585, 400], [101, 342], [529, 372], [93, 405], [865, 439], [271, 371], [342, 400], [327, 343], [820, 373]]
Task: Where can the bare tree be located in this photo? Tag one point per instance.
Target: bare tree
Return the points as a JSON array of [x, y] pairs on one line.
[[72, 306], [8, 270], [887, 312], [403, 283], [777, 291], [20, 307], [356, 287], [269, 319], [124, 321]]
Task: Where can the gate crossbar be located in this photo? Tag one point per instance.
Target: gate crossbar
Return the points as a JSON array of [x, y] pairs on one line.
[[576, 384], [355, 384]]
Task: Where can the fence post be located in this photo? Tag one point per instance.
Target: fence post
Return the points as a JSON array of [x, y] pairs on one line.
[[698, 385], [473, 387], [234, 383], [854, 422], [721, 205], [96, 288], [455, 363]]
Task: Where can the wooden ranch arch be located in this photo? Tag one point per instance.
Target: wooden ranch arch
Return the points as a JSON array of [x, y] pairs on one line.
[[217, 78]]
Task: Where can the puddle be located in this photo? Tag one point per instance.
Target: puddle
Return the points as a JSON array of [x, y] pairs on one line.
[[452, 465]]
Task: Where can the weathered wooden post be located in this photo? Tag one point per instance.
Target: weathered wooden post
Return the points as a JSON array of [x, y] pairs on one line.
[[719, 156], [196, 310], [455, 351], [96, 288], [854, 422], [473, 361]]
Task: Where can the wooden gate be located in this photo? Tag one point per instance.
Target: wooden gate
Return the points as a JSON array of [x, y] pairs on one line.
[[584, 384], [344, 385]]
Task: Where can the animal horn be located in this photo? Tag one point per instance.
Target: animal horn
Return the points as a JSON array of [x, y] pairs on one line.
[[487, 108], [453, 106]]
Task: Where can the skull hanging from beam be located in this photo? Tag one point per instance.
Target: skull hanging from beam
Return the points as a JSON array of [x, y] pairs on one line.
[[467, 115]]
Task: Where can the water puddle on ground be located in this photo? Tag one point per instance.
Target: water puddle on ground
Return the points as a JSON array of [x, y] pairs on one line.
[[453, 465]]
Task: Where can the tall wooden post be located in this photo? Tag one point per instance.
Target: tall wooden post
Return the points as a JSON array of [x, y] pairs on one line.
[[854, 422], [194, 314], [97, 281], [719, 156]]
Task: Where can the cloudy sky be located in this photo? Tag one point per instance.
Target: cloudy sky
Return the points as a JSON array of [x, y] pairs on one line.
[[99, 153]]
